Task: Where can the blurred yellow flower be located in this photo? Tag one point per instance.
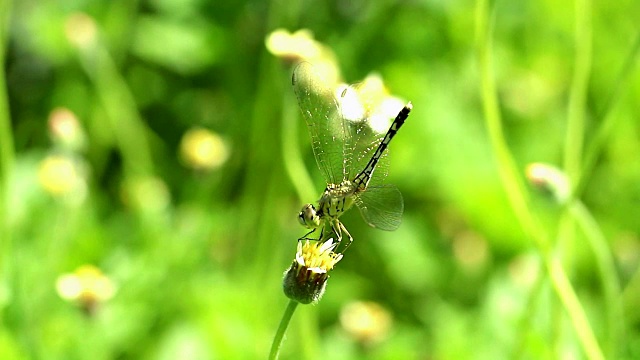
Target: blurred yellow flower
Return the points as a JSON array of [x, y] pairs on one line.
[[61, 175], [87, 287], [301, 46], [366, 321], [202, 149], [296, 46], [81, 30]]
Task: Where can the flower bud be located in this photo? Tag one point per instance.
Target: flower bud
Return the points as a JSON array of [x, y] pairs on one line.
[[306, 280], [549, 179]]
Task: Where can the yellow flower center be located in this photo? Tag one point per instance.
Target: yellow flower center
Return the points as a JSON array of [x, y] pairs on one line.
[[317, 256]]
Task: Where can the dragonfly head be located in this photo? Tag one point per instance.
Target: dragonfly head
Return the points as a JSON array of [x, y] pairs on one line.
[[308, 217]]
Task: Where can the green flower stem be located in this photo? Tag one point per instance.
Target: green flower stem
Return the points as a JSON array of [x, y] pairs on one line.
[[7, 154], [608, 117], [282, 329], [631, 299], [130, 131], [607, 270], [574, 309], [578, 94], [507, 169], [515, 189]]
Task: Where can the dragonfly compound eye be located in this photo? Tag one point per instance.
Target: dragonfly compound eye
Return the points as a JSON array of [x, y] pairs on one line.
[[308, 216]]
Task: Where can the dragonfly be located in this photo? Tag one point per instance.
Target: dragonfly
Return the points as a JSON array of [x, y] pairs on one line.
[[351, 156]]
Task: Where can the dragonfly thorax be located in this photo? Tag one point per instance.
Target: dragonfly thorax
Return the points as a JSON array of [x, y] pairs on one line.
[[335, 200], [343, 189]]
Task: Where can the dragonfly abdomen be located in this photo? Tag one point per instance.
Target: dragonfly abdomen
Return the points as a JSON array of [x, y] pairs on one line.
[[363, 178]]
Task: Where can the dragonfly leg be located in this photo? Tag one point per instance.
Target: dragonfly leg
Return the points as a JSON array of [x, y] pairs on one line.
[[306, 236], [337, 227], [342, 228]]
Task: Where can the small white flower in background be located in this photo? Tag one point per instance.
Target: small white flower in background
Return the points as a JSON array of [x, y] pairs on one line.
[[550, 179], [65, 129], [351, 107], [387, 109], [369, 100]]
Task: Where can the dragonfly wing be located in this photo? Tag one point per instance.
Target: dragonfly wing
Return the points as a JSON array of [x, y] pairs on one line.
[[368, 112], [354, 113], [381, 206], [324, 121]]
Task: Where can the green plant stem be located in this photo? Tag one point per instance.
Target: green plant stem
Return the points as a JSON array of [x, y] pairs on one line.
[[606, 269], [578, 94], [573, 307], [515, 189], [282, 329], [7, 153], [631, 299], [129, 130], [7, 158], [514, 186], [608, 116]]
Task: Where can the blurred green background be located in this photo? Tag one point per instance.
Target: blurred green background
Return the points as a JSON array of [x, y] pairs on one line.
[[154, 162]]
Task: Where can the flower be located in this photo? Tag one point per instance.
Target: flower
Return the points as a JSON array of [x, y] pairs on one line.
[[64, 177], [366, 321], [202, 149], [297, 46], [369, 100], [305, 281], [300, 46], [550, 179], [87, 287], [81, 30], [65, 129]]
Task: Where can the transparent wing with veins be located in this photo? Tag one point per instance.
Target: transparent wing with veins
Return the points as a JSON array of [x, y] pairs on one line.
[[324, 121]]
